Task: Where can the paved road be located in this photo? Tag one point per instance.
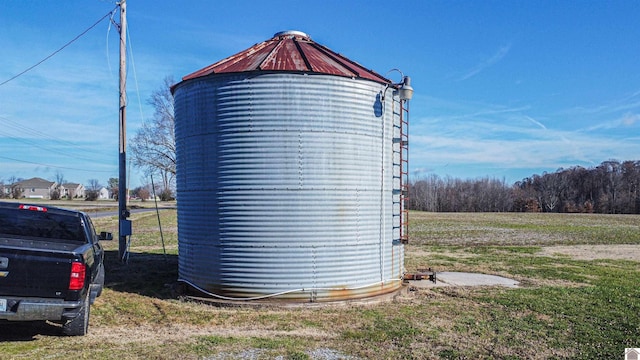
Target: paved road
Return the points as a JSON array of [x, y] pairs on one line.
[[115, 212]]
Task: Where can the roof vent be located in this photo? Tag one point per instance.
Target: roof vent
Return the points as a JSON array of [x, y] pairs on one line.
[[291, 33]]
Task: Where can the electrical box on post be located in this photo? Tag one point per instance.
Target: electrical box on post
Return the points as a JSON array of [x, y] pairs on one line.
[[125, 228]]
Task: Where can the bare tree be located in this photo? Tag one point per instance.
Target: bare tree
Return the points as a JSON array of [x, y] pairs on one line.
[[59, 178], [435, 194], [57, 193], [611, 187], [113, 186], [154, 146], [631, 181], [94, 184], [15, 189], [142, 192], [93, 192]]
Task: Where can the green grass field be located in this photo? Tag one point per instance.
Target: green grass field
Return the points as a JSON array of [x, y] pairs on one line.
[[579, 299]]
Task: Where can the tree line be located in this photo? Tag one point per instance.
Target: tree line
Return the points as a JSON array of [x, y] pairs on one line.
[[613, 187]]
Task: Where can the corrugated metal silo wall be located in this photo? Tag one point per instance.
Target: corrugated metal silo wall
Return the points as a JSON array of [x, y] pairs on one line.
[[285, 187]]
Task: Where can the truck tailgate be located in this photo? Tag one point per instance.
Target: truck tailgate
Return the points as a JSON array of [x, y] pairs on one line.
[[26, 271]]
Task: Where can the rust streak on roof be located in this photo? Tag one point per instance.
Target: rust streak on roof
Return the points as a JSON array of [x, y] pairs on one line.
[[289, 51]]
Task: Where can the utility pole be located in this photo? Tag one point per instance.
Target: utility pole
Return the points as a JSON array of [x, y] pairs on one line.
[[123, 213]]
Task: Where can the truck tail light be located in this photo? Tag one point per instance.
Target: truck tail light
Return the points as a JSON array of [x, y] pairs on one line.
[[32, 208], [76, 279]]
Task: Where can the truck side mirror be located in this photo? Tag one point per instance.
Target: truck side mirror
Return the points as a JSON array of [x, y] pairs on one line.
[[105, 236]]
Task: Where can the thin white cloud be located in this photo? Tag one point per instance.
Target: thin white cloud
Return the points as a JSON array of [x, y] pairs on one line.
[[627, 103], [613, 116], [541, 125], [629, 119], [499, 55], [492, 139], [436, 151]]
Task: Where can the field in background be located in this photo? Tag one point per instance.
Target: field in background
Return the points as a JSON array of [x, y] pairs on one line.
[[579, 299]]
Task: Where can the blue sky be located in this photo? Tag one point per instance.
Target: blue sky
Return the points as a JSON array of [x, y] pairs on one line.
[[503, 89]]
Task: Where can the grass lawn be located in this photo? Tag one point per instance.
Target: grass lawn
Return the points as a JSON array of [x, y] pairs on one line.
[[579, 299]]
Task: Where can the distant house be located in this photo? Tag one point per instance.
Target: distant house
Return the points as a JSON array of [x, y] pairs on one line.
[[36, 188], [103, 194], [73, 190]]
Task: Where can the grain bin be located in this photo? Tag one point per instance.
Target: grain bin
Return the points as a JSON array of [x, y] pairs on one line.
[[289, 175]]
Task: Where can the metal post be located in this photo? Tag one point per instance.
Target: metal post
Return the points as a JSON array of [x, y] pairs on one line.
[[124, 230]]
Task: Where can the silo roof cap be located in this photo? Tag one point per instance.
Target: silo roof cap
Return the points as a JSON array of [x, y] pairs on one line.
[[289, 51], [291, 33]]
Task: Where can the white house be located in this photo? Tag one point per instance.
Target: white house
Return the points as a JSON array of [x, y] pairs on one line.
[[103, 194]]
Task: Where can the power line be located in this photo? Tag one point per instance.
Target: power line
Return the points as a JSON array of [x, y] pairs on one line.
[[50, 149], [45, 146], [60, 49], [54, 166], [9, 124]]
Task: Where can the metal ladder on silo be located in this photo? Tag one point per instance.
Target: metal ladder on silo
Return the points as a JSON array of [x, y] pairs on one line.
[[401, 171]]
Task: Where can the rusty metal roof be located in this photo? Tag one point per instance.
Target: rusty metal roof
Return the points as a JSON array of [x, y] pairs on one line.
[[291, 51]]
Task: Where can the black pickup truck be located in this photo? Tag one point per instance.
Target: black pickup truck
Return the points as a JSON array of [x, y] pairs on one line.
[[51, 265]]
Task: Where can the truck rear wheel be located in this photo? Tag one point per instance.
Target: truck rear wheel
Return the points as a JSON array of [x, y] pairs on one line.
[[79, 325]]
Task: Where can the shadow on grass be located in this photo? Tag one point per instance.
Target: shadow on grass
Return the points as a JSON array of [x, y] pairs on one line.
[[147, 274], [27, 331]]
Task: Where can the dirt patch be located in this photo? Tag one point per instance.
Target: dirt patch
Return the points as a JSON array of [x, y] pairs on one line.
[[577, 252], [594, 252]]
